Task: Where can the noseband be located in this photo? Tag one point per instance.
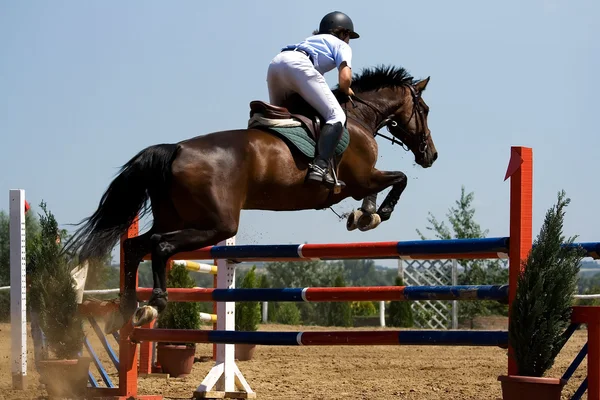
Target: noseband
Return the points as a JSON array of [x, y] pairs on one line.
[[392, 125]]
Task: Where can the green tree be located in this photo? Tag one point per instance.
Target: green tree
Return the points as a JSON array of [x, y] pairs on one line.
[[52, 294], [476, 272], [32, 232], [247, 313], [363, 308], [287, 313], [183, 315], [300, 274], [541, 311], [339, 313], [263, 281], [361, 272], [400, 312]]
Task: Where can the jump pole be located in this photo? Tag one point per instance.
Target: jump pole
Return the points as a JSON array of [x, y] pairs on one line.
[[18, 289]]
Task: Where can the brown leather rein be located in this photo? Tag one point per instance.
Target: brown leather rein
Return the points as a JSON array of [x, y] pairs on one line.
[[392, 125]]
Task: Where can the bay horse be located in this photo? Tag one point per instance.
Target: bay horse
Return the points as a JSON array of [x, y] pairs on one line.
[[198, 187]]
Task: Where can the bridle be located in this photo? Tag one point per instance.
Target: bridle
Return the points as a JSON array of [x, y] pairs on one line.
[[392, 124]]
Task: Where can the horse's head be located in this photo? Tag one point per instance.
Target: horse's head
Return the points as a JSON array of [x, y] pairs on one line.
[[395, 102], [409, 123]]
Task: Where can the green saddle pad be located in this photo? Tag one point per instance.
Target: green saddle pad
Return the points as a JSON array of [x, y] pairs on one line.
[[299, 137]]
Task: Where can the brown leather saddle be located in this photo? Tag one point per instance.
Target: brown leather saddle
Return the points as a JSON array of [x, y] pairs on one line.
[[309, 118]]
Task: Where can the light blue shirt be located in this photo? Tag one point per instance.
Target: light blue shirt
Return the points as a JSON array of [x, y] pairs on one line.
[[327, 51]]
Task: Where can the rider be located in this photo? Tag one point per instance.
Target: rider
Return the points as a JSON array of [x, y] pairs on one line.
[[299, 68]]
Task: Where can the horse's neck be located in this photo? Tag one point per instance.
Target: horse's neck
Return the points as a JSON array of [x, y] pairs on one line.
[[362, 127], [368, 116]]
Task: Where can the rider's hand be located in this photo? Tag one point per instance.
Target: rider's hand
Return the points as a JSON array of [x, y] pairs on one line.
[[350, 92]]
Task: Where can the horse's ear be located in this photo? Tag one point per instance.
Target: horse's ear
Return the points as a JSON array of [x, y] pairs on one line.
[[421, 85]]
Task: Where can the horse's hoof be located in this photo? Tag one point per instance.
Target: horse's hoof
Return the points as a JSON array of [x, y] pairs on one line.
[[114, 322], [368, 222], [144, 315], [352, 219]]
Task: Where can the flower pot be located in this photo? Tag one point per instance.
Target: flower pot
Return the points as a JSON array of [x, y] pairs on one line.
[[65, 378], [244, 352], [176, 360], [516, 387]]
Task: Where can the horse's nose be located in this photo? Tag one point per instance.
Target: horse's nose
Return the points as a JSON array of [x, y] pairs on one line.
[[435, 156]]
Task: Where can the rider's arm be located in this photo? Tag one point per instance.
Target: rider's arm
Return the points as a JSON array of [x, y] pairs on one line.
[[345, 78]]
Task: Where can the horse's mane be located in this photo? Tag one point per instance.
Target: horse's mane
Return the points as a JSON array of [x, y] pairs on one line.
[[380, 77], [369, 79]]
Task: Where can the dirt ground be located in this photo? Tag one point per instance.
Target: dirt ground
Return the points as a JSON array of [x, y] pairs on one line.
[[336, 372]]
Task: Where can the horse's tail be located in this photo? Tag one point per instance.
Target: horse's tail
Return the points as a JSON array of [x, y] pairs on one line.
[[143, 177]]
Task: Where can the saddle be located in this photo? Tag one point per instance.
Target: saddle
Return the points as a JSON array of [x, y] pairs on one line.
[[309, 118]]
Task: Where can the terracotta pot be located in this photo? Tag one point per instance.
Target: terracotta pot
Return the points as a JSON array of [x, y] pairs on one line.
[[176, 360], [516, 387], [65, 378], [244, 352]]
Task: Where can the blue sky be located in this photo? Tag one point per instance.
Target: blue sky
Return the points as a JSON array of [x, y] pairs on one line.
[[86, 85]]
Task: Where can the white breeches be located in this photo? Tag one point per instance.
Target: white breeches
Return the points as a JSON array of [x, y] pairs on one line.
[[292, 72]]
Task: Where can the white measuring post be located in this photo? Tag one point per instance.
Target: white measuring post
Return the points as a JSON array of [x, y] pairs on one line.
[[225, 380], [18, 289]]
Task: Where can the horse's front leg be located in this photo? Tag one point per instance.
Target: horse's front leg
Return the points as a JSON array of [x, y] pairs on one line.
[[366, 218], [390, 201], [361, 218]]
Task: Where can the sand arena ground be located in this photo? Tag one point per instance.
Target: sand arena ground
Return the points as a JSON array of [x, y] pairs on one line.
[[337, 372]]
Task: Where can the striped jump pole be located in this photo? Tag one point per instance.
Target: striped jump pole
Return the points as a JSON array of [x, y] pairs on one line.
[[487, 248], [483, 248], [208, 317], [336, 294], [197, 267], [326, 338]]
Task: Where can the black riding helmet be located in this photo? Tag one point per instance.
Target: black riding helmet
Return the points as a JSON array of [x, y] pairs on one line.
[[337, 19]]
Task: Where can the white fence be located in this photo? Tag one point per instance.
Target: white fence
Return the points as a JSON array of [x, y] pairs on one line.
[[442, 314]]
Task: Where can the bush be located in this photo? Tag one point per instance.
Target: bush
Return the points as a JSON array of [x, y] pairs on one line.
[[180, 315], [247, 314], [363, 308], [5, 306], [400, 313], [53, 294], [541, 310], [339, 313], [287, 314], [32, 231], [311, 313]]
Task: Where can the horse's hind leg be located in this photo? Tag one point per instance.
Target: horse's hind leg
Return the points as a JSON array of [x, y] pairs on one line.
[[164, 246], [134, 250]]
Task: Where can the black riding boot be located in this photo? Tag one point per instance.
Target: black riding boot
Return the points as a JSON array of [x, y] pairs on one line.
[[319, 171]]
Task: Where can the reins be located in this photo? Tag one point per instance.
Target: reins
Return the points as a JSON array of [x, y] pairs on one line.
[[391, 123]]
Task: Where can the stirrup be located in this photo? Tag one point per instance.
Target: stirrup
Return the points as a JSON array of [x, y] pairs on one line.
[[316, 173], [326, 176]]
